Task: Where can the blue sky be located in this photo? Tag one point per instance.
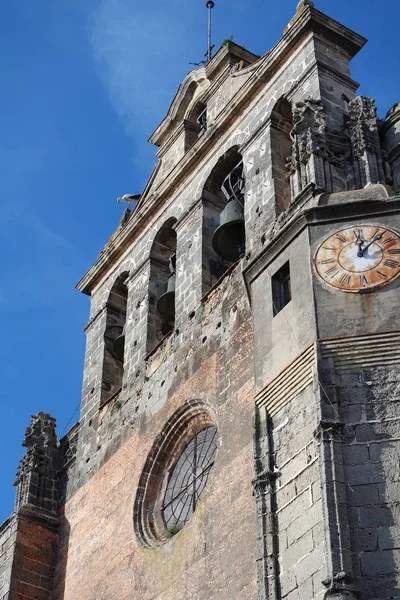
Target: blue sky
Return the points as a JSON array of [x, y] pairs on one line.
[[83, 85]]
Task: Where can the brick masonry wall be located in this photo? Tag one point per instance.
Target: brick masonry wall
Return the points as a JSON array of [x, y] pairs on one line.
[[28, 547]]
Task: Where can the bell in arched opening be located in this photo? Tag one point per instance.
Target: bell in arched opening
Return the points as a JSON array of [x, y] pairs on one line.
[[229, 238], [166, 302], [119, 345]]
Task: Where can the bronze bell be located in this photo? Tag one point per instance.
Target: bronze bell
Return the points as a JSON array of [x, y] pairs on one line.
[[166, 302], [228, 239], [119, 346]]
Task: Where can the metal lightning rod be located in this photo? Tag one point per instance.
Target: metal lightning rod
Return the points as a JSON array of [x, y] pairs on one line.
[[210, 5]]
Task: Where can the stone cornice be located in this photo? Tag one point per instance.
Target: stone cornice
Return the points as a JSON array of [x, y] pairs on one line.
[[315, 215], [310, 20]]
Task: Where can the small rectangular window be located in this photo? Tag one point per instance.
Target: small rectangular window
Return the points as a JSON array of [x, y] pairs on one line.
[[281, 291]]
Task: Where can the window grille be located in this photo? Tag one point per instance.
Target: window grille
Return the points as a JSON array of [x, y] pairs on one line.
[[188, 478]]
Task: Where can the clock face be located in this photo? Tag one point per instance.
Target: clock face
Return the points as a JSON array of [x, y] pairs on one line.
[[360, 258]]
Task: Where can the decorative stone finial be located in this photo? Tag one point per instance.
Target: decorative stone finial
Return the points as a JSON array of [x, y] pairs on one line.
[[304, 3], [301, 7]]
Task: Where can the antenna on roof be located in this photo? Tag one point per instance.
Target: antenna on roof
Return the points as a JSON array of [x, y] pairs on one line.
[[208, 55], [210, 5]]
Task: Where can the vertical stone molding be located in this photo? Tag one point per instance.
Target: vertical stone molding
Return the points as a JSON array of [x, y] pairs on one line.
[[329, 435], [264, 485], [36, 476]]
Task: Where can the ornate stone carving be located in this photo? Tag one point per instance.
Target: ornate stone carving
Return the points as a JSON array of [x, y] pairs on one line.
[[365, 143], [309, 129], [36, 475], [340, 160], [307, 164], [363, 126]]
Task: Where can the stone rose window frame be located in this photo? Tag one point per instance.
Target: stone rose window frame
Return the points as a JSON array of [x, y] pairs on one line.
[[178, 433]]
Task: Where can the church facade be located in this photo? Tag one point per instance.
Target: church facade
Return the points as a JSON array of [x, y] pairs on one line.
[[239, 430]]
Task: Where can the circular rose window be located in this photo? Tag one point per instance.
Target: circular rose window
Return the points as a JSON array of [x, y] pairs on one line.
[[188, 479], [175, 474]]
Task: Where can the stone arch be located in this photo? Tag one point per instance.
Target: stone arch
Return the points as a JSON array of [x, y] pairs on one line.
[[215, 200], [195, 123], [180, 428], [161, 281], [193, 86], [281, 148], [113, 357]]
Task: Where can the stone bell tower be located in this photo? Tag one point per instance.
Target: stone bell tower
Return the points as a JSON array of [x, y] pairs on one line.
[[239, 425], [327, 354]]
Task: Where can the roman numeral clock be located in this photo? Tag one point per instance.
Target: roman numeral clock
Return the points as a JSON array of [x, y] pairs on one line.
[[360, 258]]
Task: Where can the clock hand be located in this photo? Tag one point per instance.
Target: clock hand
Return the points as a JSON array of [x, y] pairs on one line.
[[359, 243], [374, 239]]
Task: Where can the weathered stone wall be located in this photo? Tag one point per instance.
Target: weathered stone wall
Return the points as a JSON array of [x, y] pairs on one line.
[[370, 409], [280, 338], [8, 535], [298, 503]]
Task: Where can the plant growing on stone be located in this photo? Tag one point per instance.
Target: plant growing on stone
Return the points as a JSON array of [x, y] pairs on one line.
[[226, 41], [171, 531]]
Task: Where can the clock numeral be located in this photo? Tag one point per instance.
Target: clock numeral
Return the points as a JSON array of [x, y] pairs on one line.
[[341, 237], [325, 248], [345, 279], [363, 280], [393, 250], [332, 272], [388, 241], [381, 275], [327, 261], [391, 263]]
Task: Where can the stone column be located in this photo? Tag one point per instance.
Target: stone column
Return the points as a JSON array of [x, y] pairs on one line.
[[264, 489]]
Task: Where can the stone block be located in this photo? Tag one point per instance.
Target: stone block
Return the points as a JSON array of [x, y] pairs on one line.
[[381, 562], [362, 495], [364, 474], [310, 564], [297, 551], [305, 521], [356, 454]]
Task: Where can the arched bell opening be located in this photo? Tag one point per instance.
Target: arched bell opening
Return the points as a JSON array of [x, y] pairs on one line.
[[195, 125], [114, 339], [281, 149], [223, 217], [161, 314]]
